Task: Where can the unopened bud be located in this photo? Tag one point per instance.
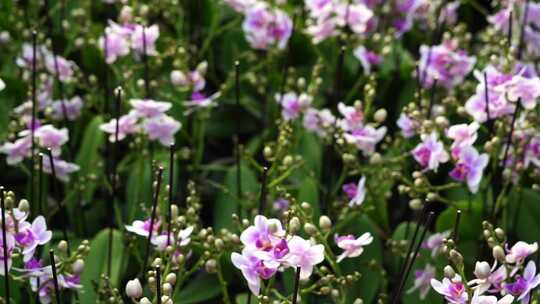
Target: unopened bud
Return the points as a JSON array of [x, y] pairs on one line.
[[171, 278], [24, 205], [211, 266], [482, 270], [310, 229], [78, 266], [380, 115], [294, 225], [449, 272], [325, 222], [498, 253], [134, 289], [456, 257], [62, 246]]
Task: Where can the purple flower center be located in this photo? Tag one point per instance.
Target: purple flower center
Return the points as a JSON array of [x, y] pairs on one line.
[[25, 238], [281, 249], [456, 289], [518, 287], [423, 154]]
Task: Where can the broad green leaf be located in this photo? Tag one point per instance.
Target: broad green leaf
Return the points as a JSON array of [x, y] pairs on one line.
[[96, 263], [88, 155], [227, 203], [201, 288]]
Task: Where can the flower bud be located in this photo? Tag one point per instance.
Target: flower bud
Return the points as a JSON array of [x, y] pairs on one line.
[[325, 222], [310, 229], [211, 266], [482, 270], [171, 278], [62, 246], [24, 206], [294, 225], [145, 301], [449, 272], [415, 204], [78, 266], [166, 288], [202, 67], [499, 233], [134, 289], [498, 253], [126, 14], [178, 78], [456, 257], [380, 115]]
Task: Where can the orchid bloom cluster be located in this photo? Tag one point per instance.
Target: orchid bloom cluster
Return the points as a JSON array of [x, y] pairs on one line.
[[23, 239], [47, 136], [69, 269], [504, 91], [268, 248], [162, 238], [264, 26], [147, 117], [445, 63], [120, 39], [45, 59], [509, 278], [328, 18], [195, 82], [501, 22]]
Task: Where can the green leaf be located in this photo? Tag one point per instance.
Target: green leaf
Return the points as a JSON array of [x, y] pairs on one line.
[[227, 203], [96, 263], [203, 287], [310, 193], [88, 154], [471, 220]]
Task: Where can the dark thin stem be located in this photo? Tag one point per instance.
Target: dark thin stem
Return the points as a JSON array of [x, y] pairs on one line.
[[118, 103], [338, 81], [171, 191], [486, 98], [509, 34], [57, 196], [145, 61], [158, 284], [40, 189], [522, 33], [296, 285], [499, 175], [512, 127], [405, 276], [432, 97], [419, 86], [33, 122], [55, 277], [106, 72], [249, 298], [421, 219], [237, 137], [4, 244], [153, 218], [262, 198], [455, 234]]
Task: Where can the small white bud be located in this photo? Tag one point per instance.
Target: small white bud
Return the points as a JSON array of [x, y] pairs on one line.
[[134, 289]]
